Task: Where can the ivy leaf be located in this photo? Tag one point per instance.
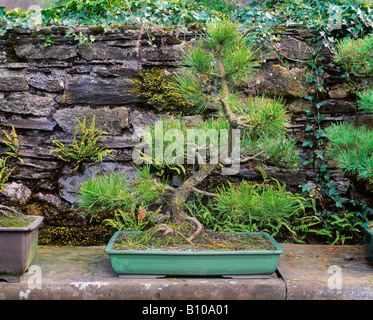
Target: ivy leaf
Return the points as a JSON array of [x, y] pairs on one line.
[[307, 143], [339, 201], [320, 118], [308, 128], [320, 104], [306, 187], [320, 134], [307, 162]]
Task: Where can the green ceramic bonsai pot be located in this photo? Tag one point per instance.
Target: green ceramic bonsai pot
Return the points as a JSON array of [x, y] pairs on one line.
[[190, 263]]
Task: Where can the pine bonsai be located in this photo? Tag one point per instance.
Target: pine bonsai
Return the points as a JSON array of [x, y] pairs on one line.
[[254, 129]]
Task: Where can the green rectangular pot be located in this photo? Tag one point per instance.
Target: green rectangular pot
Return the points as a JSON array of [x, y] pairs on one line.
[[187, 263], [368, 239]]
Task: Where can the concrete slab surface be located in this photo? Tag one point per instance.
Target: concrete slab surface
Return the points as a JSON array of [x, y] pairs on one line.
[[305, 272], [326, 272]]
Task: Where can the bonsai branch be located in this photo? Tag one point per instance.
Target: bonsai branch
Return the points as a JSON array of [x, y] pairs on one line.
[[210, 194], [243, 160], [8, 211]]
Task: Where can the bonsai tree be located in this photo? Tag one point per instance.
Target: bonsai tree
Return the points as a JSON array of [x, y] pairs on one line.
[[251, 130]]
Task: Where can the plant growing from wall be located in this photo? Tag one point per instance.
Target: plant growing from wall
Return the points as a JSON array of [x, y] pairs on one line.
[[340, 216], [11, 141], [353, 147], [365, 101], [84, 145], [356, 55], [154, 90]]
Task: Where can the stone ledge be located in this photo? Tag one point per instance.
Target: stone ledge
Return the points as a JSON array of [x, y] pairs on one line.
[[84, 273]]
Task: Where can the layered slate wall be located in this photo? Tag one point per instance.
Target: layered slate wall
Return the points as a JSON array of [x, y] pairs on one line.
[[47, 80]]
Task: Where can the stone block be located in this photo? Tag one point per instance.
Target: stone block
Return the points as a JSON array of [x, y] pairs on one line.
[[39, 52], [10, 81], [27, 103], [112, 121], [30, 123], [102, 51], [84, 89], [17, 192], [300, 106], [338, 92], [46, 82], [128, 69], [280, 81], [333, 106], [288, 47]]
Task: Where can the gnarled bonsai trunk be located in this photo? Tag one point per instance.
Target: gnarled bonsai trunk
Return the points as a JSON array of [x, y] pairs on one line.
[[181, 194]]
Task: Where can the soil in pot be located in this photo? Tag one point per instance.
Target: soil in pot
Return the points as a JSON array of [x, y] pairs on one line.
[[207, 240]]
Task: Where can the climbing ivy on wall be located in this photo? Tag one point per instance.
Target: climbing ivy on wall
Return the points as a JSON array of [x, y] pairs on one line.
[[261, 18], [342, 216]]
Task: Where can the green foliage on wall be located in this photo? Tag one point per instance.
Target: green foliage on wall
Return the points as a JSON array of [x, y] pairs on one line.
[[84, 146], [155, 90]]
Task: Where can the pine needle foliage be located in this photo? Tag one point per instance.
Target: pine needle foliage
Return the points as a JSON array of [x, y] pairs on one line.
[[269, 133], [352, 148], [105, 192], [224, 40], [356, 55], [184, 139], [260, 207], [219, 62], [129, 202], [112, 192], [365, 101]]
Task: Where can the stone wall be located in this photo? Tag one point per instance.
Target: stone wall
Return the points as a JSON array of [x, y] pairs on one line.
[[43, 88]]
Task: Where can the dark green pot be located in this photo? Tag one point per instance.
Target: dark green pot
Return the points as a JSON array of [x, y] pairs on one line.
[[187, 263], [368, 239]]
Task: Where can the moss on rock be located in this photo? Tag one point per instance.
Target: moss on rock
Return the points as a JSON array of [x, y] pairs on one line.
[[69, 227], [155, 90]]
